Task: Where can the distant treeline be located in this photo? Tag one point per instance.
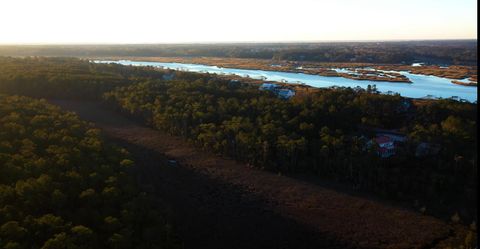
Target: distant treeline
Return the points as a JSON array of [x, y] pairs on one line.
[[462, 52], [66, 78]]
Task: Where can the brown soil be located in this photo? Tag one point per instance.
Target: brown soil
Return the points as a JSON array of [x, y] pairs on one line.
[[464, 83], [220, 203]]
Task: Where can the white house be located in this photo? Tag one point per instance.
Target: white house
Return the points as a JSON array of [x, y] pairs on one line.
[[285, 93], [268, 87]]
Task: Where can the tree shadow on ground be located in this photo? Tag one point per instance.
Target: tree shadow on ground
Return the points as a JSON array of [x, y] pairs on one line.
[[209, 213]]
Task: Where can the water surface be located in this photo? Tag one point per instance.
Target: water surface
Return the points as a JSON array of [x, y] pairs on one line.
[[421, 86]]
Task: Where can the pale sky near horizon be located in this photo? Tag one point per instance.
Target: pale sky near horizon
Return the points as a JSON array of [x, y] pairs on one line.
[[189, 21]]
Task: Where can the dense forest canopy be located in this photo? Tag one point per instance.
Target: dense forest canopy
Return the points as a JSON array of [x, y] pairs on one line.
[[320, 134], [434, 52], [63, 186], [65, 77], [326, 133]]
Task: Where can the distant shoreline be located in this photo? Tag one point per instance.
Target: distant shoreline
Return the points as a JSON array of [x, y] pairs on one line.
[[315, 68]]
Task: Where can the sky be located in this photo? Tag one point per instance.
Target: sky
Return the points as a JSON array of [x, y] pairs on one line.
[[205, 21]]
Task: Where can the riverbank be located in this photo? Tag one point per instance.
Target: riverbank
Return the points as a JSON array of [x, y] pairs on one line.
[[355, 71], [421, 86], [474, 84], [322, 69]]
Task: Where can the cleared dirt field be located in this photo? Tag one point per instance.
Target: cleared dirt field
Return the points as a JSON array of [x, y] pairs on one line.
[[220, 203]]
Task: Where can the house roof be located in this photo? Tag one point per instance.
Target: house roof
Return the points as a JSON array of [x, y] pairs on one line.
[[285, 91], [269, 85], [383, 139]]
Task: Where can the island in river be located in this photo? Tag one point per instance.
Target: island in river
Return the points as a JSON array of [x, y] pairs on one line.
[[351, 70], [421, 86]]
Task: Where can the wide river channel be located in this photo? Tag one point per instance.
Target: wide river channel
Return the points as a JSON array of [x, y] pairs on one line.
[[422, 85]]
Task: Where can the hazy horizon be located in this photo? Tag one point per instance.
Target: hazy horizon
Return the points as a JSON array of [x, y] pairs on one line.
[[53, 22], [228, 42]]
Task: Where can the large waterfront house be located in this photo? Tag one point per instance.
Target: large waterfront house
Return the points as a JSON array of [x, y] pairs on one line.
[[268, 87], [386, 146], [283, 93]]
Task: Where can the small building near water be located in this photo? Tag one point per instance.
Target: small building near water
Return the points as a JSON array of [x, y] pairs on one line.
[[283, 93], [268, 87]]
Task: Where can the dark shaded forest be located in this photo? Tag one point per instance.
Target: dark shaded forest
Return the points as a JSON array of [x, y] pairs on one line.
[[462, 52], [320, 135], [63, 186], [326, 134]]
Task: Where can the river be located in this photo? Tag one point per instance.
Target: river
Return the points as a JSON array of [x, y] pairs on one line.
[[422, 85]]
